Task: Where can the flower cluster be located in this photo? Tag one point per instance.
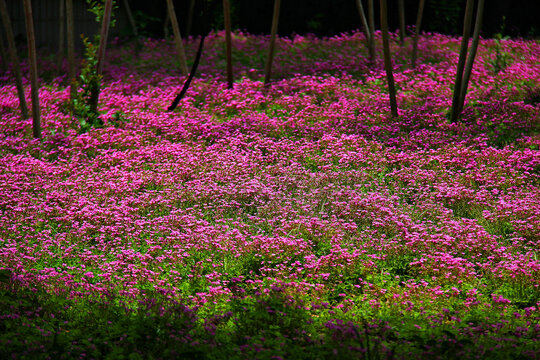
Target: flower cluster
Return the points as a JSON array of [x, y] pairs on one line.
[[299, 203]]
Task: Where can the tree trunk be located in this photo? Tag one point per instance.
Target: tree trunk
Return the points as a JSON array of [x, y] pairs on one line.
[[36, 119], [177, 38], [190, 17], [371, 16], [455, 114], [61, 39], [103, 35], [365, 24], [71, 48], [401, 8], [273, 33], [3, 53], [472, 54], [417, 32], [228, 41], [133, 27], [387, 58], [12, 49]]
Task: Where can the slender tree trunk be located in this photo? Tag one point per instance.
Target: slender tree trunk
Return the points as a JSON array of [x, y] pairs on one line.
[[190, 17], [371, 16], [3, 53], [455, 114], [14, 58], [362, 14], [177, 38], [417, 32], [61, 40], [29, 20], [133, 27], [401, 8], [472, 54], [228, 41], [365, 24], [71, 49], [103, 35], [387, 58], [273, 33]]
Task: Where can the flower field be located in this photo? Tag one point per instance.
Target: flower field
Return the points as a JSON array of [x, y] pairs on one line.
[[294, 221]]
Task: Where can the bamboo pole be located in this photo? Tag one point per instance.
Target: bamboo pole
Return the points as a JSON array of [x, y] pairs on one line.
[[14, 58], [61, 40], [190, 17], [417, 32], [133, 27], [371, 17], [177, 38], [472, 54], [36, 119], [363, 18], [228, 41], [71, 49], [401, 9], [104, 33], [273, 33], [387, 58], [454, 115]]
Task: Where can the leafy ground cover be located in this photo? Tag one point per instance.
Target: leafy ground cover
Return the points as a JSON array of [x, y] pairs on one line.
[[298, 221]]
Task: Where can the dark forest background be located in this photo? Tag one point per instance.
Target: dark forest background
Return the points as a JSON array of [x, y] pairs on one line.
[[514, 18], [332, 17]]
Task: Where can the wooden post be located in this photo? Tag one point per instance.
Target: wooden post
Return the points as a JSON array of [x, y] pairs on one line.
[[71, 49], [472, 54], [36, 120], [177, 38], [371, 17], [401, 9], [228, 41], [363, 18], [104, 33], [387, 58], [454, 115], [417, 32], [273, 33], [61, 31], [133, 27], [14, 58]]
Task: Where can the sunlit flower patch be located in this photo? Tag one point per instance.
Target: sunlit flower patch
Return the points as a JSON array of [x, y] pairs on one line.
[[295, 221]]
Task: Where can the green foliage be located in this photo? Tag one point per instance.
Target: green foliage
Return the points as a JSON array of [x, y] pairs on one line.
[[269, 324], [84, 105], [502, 59], [446, 15], [97, 7], [532, 96], [502, 134], [117, 120], [145, 23]]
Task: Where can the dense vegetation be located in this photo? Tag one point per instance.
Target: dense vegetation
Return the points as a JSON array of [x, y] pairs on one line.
[[295, 221]]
